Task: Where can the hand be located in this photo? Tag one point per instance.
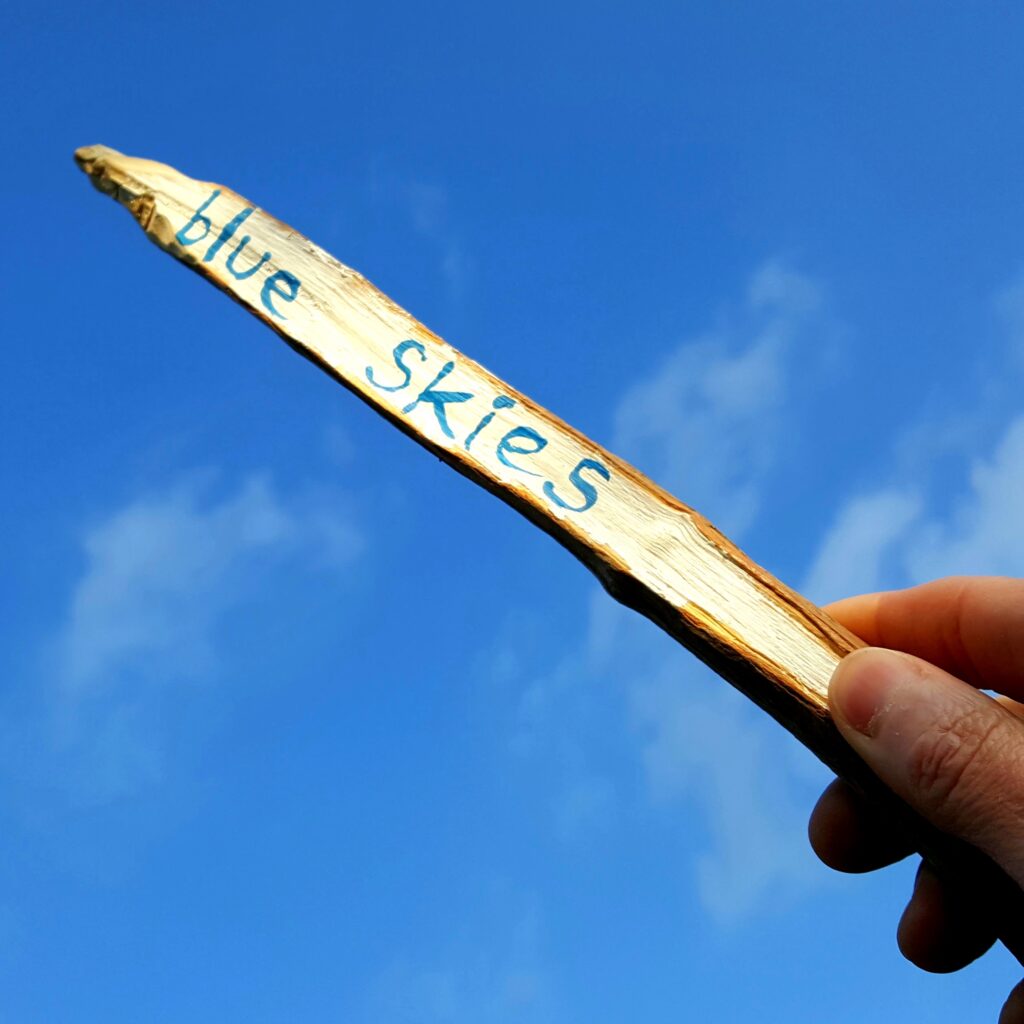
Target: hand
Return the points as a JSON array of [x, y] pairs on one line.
[[953, 753]]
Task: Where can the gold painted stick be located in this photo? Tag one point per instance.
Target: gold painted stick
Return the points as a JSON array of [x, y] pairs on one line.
[[649, 550]]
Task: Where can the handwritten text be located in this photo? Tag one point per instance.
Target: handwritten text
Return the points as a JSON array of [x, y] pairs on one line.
[[514, 447], [280, 285]]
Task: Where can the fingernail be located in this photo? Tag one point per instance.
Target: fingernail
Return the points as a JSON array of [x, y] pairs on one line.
[[862, 687]]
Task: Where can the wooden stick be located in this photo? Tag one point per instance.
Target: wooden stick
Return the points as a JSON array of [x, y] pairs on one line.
[[650, 551]]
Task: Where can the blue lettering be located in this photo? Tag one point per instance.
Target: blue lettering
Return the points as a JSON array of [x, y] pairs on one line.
[[440, 398], [588, 490], [399, 351], [197, 218], [527, 434], [281, 284], [241, 275], [501, 402], [272, 288], [229, 229]]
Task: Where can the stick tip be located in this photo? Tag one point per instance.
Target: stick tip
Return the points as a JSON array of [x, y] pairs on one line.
[[110, 172], [89, 158]]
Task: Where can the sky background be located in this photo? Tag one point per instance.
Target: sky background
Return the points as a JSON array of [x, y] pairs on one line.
[[255, 764]]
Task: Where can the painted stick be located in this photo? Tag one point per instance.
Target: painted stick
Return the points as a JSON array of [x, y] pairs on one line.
[[650, 551]]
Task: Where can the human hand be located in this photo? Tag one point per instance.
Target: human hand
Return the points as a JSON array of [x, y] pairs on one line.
[[951, 752]]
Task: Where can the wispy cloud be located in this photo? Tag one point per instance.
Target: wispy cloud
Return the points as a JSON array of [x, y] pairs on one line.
[[853, 557], [705, 747], [428, 206], [585, 799], [898, 534], [1009, 306], [980, 532], [895, 537], [707, 424], [161, 575], [488, 970]]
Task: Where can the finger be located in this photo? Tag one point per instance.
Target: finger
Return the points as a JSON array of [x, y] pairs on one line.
[[1013, 706], [1013, 1008], [954, 754], [943, 929], [972, 626], [849, 833]]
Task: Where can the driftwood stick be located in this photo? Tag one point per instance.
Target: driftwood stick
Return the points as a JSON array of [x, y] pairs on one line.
[[650, 551]]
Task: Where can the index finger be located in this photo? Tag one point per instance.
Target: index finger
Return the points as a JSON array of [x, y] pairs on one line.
[[971, 626]]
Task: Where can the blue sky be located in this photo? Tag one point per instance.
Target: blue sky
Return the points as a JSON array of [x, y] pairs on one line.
[[298, 725]]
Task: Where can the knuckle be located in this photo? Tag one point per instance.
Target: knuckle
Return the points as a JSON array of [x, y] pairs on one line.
[[952, 759]]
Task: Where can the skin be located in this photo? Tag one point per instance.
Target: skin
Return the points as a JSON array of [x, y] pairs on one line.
[[970, 628]]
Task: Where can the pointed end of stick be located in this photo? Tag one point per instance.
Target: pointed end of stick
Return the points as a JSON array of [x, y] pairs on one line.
[[120, 177], [95, 161], [86, 156]]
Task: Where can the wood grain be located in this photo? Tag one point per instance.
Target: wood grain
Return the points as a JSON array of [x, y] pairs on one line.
[[648, 549]]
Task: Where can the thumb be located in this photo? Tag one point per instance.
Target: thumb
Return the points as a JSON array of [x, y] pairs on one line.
[[950, 751]]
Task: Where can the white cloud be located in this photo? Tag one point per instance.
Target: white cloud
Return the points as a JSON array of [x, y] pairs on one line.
[[892, 536], [430, 216], [705, 745], [427, 205], [485, 971], [339, 445], [1009, 306], [161, 573], [584, 799], [981, 533], [706, 424], [852, 557], [888, 538]]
